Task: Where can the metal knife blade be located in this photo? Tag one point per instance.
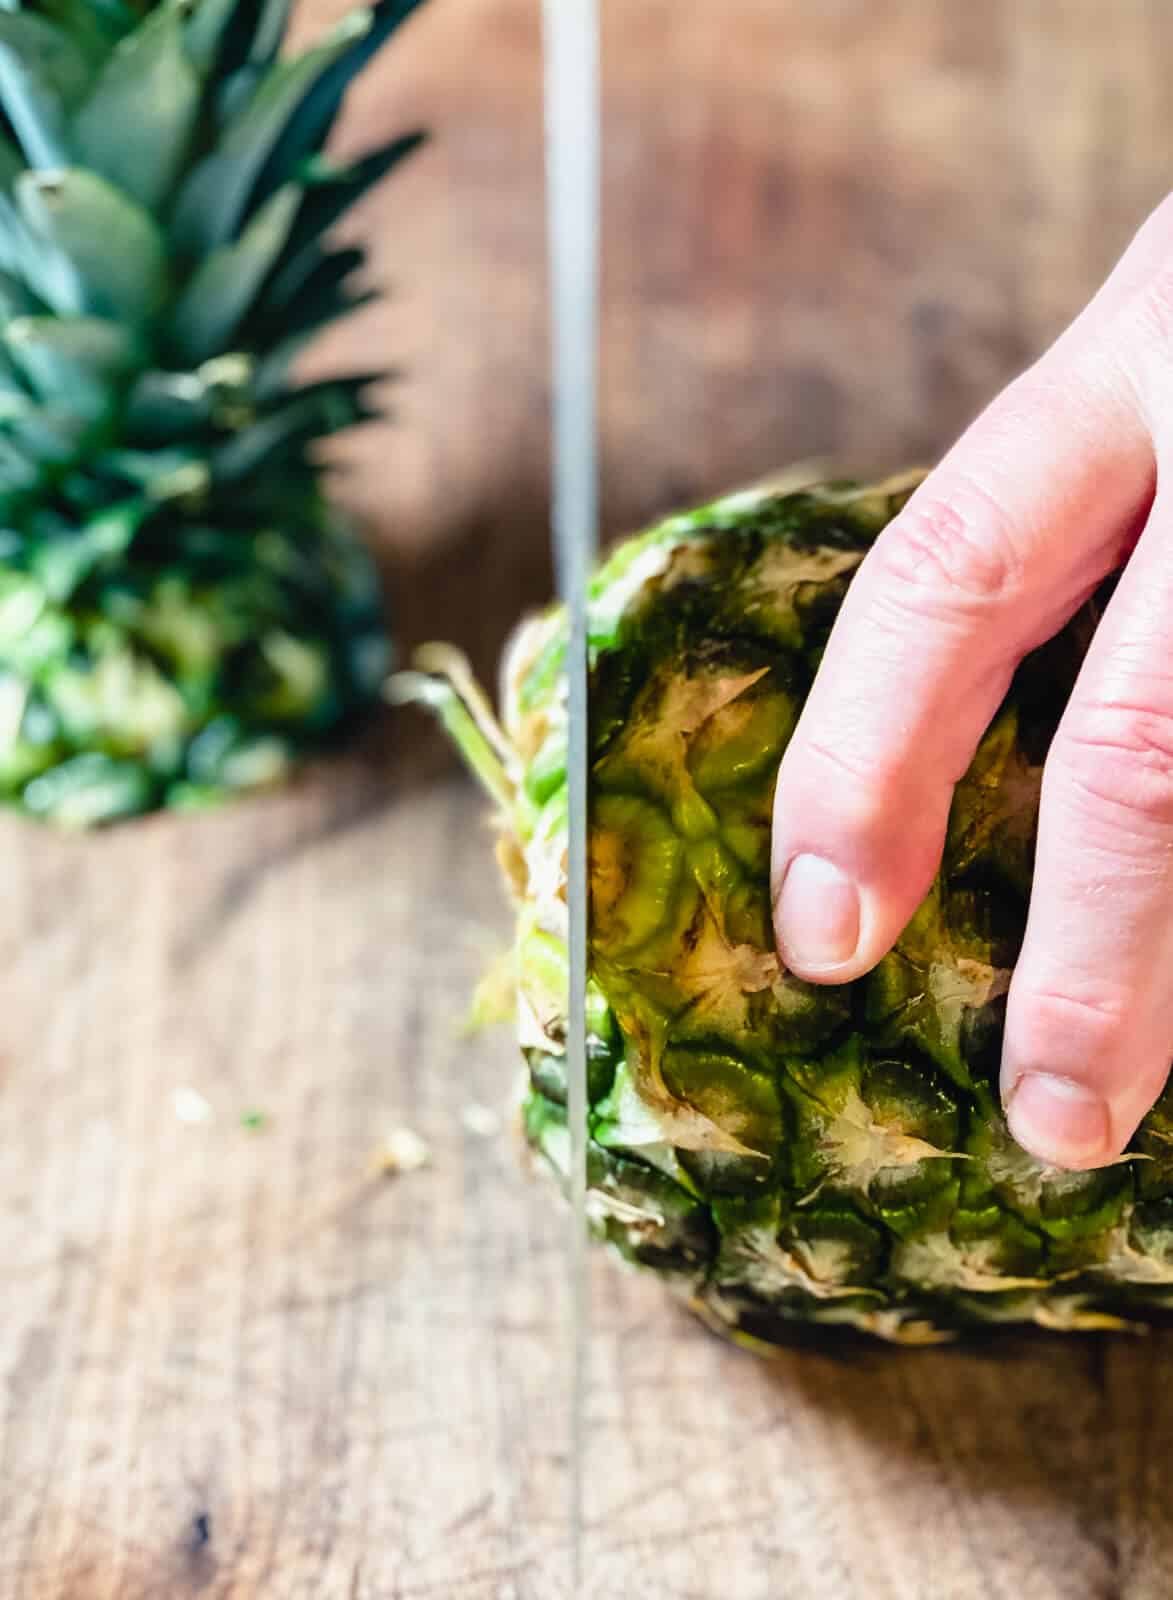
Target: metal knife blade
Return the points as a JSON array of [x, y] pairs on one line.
[[571, 52]]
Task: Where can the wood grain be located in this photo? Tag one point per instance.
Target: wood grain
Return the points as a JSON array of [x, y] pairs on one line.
[[237, 1364]]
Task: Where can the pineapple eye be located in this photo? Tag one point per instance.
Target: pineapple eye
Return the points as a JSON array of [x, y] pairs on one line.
[[636, 860], [735, 1106], [741, 740]]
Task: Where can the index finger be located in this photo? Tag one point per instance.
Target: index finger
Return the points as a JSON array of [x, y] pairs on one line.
[[995, 551]]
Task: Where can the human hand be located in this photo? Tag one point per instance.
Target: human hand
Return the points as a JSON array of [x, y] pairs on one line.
[[1063, 480]]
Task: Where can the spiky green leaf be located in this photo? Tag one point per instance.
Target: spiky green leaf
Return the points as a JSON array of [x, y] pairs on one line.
[[19, 471], [50, 436], [76, 364], [295, 302], [312, 413], [205, 35], [16, 299], [89, 789], [12, 164], [331, 190], [64, 562], [215, 199], [226, 36], [269, 34], [161, 474], [114, 253], [221, 292], [150, 86], [272, 373], [42, 73], [93, 25], [167, 406], [307, 129]]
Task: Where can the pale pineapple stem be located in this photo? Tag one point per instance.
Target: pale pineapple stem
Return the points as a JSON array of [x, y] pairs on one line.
[[445, 661], [441, 696]]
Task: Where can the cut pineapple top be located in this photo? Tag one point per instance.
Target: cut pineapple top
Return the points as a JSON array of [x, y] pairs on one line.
[[166, 564]]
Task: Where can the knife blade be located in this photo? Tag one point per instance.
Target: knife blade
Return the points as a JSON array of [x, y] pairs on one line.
[[571, 91]]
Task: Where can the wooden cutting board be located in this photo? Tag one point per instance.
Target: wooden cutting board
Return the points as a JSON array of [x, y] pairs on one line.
[[235, 1362]]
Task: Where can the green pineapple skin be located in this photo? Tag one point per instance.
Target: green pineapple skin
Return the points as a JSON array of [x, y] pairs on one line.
[[183, 615], [781, 1153]]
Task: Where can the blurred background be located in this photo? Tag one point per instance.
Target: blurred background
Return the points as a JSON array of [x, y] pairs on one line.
[[831, 228], [237, 1357]]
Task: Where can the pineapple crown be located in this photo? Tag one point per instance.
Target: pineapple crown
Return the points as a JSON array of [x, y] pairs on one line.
[[164, 197]]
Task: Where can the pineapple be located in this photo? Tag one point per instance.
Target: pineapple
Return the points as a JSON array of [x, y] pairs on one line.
[[782, 1153], [181, 612]]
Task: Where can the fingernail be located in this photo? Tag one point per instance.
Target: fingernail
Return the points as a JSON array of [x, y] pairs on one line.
[[1059, 1120], [818, 914]]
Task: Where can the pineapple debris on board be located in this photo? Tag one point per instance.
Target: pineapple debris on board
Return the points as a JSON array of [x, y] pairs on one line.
[[181, 613], [783, 1153]]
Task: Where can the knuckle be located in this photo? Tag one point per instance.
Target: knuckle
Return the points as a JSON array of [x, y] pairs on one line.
[[948, 555], [1119, 757], [1155, 309], [1141, 344], [851, 785], [840, 761], [1088, 1020]]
